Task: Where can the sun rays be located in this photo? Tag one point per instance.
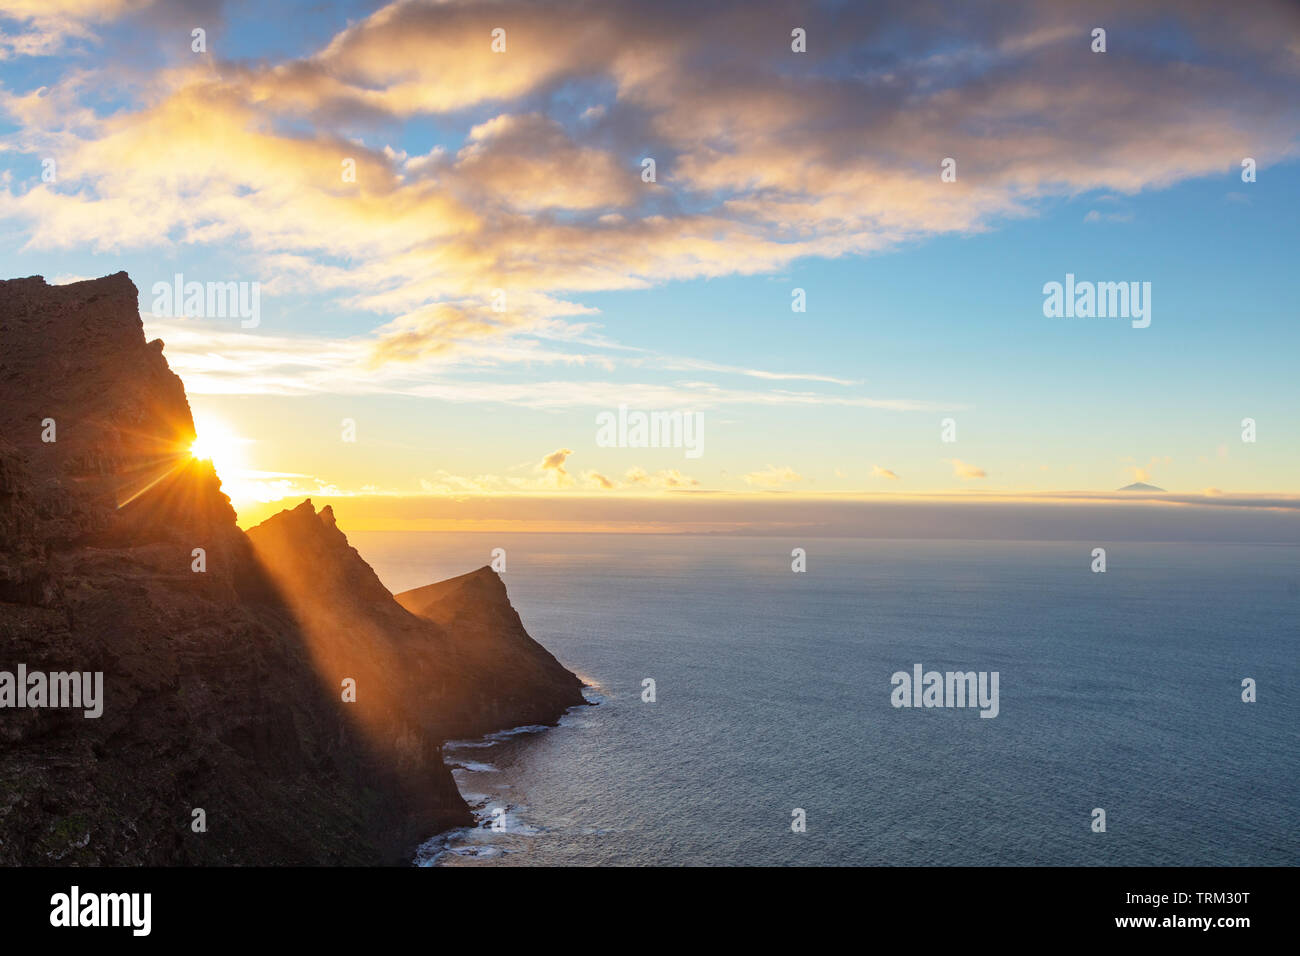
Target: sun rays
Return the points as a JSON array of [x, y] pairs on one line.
[[216, 442]]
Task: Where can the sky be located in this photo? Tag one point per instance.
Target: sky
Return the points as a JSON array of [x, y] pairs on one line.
[[461, 261]]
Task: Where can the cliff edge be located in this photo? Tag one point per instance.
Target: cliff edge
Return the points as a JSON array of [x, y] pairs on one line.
[[221, 698]]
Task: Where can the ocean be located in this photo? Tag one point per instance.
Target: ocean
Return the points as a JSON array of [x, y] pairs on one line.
[[1120, 691]]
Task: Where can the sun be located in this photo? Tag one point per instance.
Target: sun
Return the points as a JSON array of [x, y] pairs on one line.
[[203, 448], [217, 443]]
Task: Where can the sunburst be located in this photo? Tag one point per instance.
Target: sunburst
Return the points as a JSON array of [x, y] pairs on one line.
[[217, 443]]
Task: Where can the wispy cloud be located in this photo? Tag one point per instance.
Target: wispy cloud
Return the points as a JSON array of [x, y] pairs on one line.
[[966, 471], [1097, 216], [773, 477], [228, 361]]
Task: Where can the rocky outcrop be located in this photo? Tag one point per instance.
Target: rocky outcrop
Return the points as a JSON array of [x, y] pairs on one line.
[[459, 664], [223, 687], [499, 667]]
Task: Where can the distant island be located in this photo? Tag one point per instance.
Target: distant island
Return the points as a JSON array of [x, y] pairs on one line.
[[265, 699], [1140, 486]]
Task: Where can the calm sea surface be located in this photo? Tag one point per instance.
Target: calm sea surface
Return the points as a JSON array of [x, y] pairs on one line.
[[1119, 690]]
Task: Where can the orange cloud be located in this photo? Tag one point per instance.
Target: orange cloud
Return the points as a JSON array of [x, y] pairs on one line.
[[554, 463], [966, 471]]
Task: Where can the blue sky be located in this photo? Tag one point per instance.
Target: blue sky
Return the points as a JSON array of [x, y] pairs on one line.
[[776, 171]]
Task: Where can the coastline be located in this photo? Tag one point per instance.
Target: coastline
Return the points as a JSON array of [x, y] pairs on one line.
[[457, 756]]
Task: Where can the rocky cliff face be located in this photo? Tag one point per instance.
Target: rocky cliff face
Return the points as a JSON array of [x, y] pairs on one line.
[[222, 688], [498, 668], [459, 666]]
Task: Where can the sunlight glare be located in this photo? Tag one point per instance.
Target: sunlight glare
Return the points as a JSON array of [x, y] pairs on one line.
[[215, 442]]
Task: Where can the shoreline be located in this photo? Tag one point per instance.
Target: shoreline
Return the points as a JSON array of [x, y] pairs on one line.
[[430, 851]]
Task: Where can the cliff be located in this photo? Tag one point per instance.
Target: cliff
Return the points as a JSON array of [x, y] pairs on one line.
[[221, 687], [465, 667], [491, 645]]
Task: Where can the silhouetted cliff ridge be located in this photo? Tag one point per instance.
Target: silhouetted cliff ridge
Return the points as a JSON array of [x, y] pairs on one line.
[[222, 688]]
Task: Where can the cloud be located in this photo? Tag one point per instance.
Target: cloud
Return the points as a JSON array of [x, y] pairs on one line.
[[552, 474], [763, 158], [672, 478], [773, 477], [666, 479], [448, 484], [554, 463], [246, 487], [1095, 216], [221, 359], [1141, 473], [530, 159], [966, 471], [93, 10], [879, 472], [45, 27]]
